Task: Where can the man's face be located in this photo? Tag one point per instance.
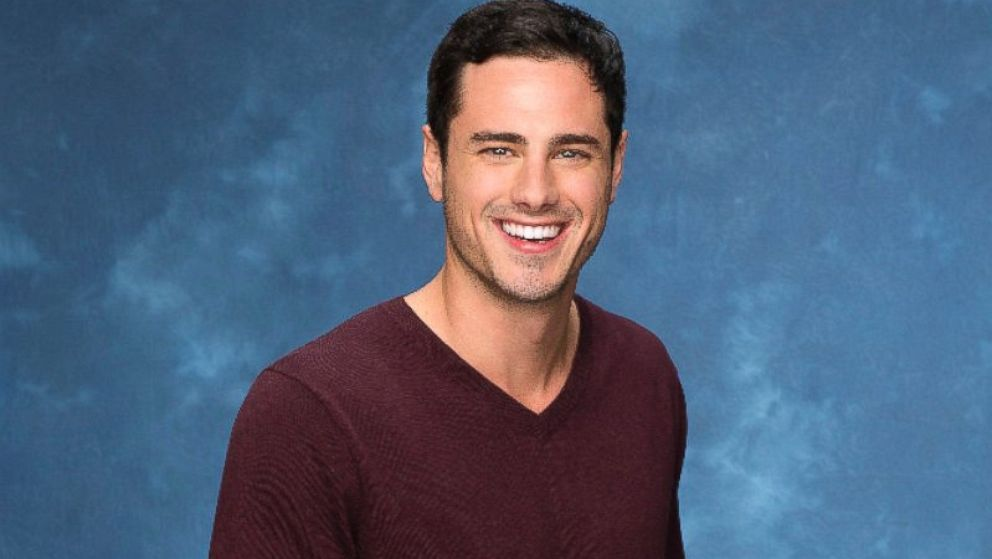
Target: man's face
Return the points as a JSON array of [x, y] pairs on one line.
[[528, 179]]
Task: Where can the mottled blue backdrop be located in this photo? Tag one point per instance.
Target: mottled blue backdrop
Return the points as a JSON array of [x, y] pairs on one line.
[[190, 189]]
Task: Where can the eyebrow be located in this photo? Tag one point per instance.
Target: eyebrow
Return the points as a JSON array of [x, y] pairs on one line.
[[506, 137], [572, 139], [517, 139]]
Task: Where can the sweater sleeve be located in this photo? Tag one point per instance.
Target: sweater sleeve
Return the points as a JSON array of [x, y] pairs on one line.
[[676, 549], [289, 480]]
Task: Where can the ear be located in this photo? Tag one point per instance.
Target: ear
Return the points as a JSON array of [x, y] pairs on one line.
[[618, 152], [432, 167]]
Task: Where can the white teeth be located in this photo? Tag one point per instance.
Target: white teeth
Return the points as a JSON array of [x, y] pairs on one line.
[[530, 232]]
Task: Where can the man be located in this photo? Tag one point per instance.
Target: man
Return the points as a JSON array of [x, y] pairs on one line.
[[492, 413]]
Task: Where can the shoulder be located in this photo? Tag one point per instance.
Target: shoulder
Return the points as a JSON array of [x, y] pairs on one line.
[[370, 336], [618, 335], [318, 385], [626, 354], [631, 363], [375, 356], [291, 465]]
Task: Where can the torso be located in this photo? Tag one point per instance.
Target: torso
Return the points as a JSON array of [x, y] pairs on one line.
[[452, 466]]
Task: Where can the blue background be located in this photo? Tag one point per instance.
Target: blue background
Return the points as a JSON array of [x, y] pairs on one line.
[[190, 189]]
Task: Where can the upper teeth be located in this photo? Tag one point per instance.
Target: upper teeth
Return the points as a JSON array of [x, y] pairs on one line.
[[530, 232]]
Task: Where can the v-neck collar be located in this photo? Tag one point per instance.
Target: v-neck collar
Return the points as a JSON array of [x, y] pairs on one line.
[[540, 424]]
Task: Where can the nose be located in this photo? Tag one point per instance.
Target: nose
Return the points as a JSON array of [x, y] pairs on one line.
[[535, 187]]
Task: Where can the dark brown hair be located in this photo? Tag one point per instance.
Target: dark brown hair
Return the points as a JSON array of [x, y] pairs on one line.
[[538, 29]]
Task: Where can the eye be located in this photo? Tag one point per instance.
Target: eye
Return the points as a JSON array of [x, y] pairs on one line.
[[497, 152], [572, 154]]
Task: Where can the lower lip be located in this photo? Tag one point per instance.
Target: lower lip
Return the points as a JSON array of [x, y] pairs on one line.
[[531, 247]]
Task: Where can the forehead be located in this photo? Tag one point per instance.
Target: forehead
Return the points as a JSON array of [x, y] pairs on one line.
[[518, 92]]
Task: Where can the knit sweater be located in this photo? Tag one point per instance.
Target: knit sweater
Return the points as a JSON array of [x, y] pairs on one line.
[[377, 440]]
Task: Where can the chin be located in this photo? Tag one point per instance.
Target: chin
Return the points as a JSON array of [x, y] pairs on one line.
[[526, 291]]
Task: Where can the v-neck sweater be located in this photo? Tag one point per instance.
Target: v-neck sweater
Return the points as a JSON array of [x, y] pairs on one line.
[[377, 440]]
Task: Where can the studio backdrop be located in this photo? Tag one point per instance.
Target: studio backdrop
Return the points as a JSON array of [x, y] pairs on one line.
[[190, 189]]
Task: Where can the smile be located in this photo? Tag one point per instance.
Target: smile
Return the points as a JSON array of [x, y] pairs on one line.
[[533, 239], [535, 233]]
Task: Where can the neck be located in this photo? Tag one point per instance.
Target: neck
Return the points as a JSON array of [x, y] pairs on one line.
[[524, 348]]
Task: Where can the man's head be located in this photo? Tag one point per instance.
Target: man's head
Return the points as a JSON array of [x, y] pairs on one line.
[[537, 29], [528, 98]]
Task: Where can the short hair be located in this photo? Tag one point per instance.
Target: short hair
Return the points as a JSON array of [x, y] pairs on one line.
[[539, 29]]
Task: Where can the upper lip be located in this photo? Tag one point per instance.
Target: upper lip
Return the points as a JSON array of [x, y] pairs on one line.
[[535, 224]]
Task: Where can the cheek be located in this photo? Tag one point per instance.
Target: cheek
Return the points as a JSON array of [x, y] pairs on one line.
[[477, 184], [592, 196], [595, 206], [490, 183]]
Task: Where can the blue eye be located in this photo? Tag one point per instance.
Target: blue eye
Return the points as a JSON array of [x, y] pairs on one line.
[[572, 154], [498, 152]]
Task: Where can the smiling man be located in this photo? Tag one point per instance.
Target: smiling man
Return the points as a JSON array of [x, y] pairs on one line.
[[493, 412]]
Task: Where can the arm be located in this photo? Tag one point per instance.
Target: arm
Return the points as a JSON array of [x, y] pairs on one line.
[[675, 546], [289, 481]]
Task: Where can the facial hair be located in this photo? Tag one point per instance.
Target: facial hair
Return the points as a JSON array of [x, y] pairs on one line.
[[472, 257]]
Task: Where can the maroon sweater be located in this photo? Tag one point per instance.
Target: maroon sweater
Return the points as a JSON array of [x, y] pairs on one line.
[[378, 441]]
